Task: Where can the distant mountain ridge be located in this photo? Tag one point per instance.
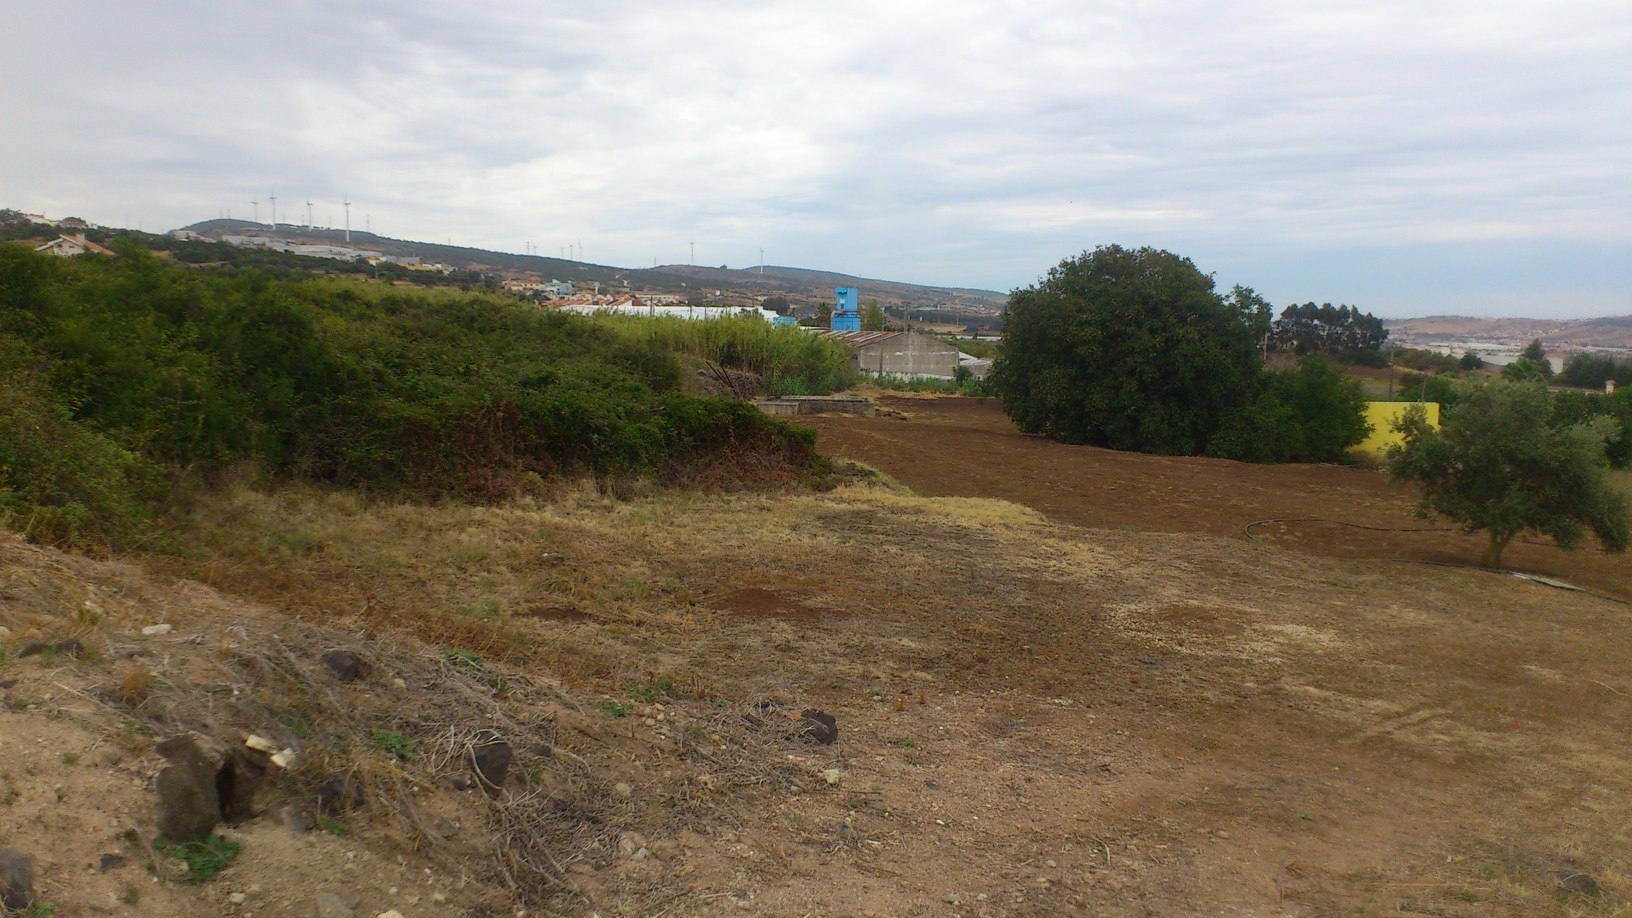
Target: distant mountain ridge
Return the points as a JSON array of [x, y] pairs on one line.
[[747, 284], [1603, 332]]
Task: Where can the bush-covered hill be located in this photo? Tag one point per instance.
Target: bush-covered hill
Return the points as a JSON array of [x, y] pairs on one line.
[[119, 375]]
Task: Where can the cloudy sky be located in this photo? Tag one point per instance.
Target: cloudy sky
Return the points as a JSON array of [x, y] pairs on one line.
[[1407, 157]]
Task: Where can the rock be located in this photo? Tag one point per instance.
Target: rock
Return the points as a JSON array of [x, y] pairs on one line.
[[110, 862], [237, 898], [156, 630], [391, 914], [815, 725], [491, 761], [832, 776], [398, 683], [329, 905], [16, 879], [622, 789], [346, 665], [553, 557], [5, 633], [189, 798], [1581, 884], [341, 793], [298, 818]]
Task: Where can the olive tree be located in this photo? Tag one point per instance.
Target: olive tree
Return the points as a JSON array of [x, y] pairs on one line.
[[1496, 465]]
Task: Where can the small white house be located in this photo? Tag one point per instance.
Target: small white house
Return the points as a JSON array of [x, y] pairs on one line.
[[69, 246]]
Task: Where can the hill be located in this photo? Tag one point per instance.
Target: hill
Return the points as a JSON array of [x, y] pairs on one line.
[[801, 286], [1605, 332]]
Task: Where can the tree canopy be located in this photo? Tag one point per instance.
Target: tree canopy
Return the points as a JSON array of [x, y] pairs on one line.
[[1498, 466], [1126, 348], [1326, 329]]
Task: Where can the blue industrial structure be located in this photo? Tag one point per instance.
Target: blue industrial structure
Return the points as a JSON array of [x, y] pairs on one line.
[[846, 317]]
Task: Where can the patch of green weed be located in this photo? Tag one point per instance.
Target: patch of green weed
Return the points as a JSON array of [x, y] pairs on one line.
[[392, 741], [204, 859]]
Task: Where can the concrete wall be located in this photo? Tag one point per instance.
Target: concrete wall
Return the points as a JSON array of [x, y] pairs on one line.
[[907, 355], [1381, 414]]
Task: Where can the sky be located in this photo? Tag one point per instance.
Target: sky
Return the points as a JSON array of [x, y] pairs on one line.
[[1409, 158]]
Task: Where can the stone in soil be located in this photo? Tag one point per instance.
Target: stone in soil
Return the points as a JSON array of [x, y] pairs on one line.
[[189, 797], [491, 762], [16, 879], [346, 665], [818, 726]]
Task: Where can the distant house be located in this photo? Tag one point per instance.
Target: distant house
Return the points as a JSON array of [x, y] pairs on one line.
[[69, 246], [908, 355]]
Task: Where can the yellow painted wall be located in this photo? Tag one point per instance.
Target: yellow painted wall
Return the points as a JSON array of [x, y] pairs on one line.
[[1381, 414]]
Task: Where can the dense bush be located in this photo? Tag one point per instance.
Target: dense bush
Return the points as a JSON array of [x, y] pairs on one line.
[[1425, 361], [1309, 414], [1587, 370], [1133, 349], [1130, 349], [789, 360], [137, 364]]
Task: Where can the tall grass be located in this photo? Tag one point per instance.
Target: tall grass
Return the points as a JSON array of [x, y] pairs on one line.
[[790, 360]]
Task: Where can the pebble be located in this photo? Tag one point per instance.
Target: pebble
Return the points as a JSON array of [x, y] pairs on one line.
[[156, 630], [622, 789], [237, 898]]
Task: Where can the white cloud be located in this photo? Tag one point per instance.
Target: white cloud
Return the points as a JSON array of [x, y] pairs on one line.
[[970, 143]]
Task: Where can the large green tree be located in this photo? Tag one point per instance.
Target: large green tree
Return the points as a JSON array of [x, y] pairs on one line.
[[1126, 348], [1498, 466]]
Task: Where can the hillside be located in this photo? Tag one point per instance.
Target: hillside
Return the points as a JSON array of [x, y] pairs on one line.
[[1105, 701], [1606, 332], [802, 286]]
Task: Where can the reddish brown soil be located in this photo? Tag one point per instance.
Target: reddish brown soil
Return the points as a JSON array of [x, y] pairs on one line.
[[969, 448]]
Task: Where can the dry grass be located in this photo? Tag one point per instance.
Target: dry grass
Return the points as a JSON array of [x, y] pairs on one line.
[[1382, 698]]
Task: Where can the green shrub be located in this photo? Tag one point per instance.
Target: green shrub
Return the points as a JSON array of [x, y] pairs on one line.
[[117, 370], [204, 859]]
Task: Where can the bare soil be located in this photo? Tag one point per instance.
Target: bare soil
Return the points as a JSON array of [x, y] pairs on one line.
[[968, 447], [1068, 684]]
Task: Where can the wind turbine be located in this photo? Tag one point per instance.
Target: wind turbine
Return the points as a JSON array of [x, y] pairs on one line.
[[257, 206], [308, 215], [347, 206], [273, 197], [762, 262]]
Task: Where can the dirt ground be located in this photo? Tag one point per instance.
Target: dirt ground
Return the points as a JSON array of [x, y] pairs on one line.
[[967, 447], [1065, 681]]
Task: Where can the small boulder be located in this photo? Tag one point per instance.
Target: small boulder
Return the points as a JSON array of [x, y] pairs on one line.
[[189, 797], [818, 726], [491, 761], [16, 879], [346, 665]]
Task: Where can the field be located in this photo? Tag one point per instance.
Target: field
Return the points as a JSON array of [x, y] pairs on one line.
[[1065, 681]]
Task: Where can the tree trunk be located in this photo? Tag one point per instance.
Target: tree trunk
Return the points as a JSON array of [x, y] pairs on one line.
[[1493, 551]]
